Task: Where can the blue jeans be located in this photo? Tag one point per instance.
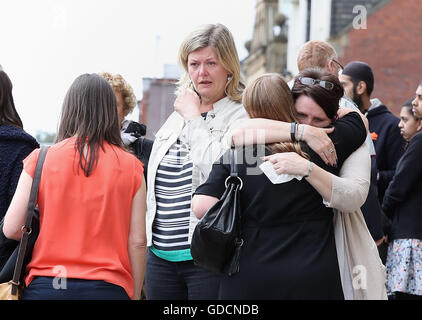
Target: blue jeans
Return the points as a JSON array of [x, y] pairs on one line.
[[44, 288], [166, 280]]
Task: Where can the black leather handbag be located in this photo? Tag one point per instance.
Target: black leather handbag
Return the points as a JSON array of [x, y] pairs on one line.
[[14, 268], [216, 240]]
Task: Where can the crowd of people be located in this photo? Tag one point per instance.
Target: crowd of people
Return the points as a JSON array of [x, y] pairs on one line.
[[122, 228]]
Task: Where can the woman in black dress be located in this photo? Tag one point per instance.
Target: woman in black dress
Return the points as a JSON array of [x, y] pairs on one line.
[[289, 249]]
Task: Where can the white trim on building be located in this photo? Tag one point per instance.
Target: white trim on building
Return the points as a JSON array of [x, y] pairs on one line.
[[297, 13]]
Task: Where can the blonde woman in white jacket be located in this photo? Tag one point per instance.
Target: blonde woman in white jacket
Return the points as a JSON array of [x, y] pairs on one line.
[[193, 137]]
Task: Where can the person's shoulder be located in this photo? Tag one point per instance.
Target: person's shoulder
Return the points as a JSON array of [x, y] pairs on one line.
[[121, 151], [417, 138], [227, 105], [414, 148], [389, 120], [63, 145], [346, 102], [391, 115], [382, 112], [349, 117], [9, 130], [31, 159], [13, 133], [234, 110], [126, 158]]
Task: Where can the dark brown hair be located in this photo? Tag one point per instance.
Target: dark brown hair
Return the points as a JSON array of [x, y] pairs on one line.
[[8, 113], [409, 107], [327, 99], [90, 113]]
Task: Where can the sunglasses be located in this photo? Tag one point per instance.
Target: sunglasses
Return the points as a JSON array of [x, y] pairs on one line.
[[311, 82]]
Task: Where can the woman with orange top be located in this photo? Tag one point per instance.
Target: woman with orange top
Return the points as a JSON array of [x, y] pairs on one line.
[[92, 240]]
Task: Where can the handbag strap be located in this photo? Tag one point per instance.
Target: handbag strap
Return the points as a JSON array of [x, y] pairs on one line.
[[233, 163], [234, 264], [233, 169], [26, 229]]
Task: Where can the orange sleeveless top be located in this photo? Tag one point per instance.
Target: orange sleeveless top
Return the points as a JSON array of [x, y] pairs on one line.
[[84, 221]]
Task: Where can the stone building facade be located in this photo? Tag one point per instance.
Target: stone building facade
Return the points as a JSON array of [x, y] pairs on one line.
[[268, 47]]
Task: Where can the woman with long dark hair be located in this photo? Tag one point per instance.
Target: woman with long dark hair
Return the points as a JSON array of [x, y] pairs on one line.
[[92, 205], [15, 145]]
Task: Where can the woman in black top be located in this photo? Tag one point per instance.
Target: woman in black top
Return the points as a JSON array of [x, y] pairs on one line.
[[15, 145], [289, 249], [402, 203]]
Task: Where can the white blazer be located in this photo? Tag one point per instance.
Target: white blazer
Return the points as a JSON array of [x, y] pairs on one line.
[[207, 141]]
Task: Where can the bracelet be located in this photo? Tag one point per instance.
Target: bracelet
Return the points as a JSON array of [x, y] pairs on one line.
[[293, 131], [301, 133], [309, 169]]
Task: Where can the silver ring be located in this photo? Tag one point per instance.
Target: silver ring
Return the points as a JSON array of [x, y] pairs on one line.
[[330, 150]]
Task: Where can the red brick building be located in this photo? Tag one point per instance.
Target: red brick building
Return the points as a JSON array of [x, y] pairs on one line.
[[391, 45]]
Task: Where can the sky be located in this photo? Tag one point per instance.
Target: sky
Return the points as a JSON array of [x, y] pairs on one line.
[[46, 44]]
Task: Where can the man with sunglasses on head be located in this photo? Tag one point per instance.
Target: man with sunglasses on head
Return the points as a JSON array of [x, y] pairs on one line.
[[320, 54]]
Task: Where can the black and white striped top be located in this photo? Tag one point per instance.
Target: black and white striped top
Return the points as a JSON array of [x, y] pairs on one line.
[[173, 192]]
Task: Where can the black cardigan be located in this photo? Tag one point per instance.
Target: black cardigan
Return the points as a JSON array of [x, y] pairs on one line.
[[15, 145], [403, 198]]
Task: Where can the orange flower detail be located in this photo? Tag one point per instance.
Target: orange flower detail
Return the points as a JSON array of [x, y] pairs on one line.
[[374, 136]]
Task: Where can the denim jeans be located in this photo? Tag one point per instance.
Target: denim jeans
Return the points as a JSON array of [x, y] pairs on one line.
[[166, 280], [44, 288]]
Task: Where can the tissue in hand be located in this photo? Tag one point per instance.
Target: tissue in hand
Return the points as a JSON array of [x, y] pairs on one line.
[[275, 178]]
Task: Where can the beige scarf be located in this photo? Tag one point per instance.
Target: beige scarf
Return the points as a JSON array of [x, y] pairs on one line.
[[362, 272]]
